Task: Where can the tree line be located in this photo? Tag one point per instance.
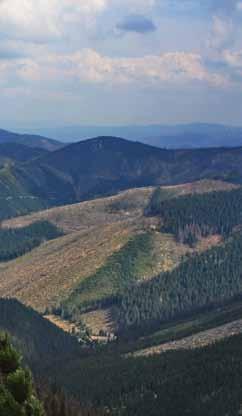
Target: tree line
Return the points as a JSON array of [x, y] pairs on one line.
[[101, 289], [15, 242], [199, 215], [200, 281]]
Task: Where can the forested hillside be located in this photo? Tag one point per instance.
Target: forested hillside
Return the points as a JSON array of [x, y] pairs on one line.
[[190, 218], [41, 342], [203, 381], [104, 166], [14, 152], [33, 141], [200, 281], [200, 382], [18, 390]]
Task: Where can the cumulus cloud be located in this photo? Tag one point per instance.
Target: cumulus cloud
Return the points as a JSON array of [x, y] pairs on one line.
[[88, 66], [43, 20], [46, 20], [168, 67], [56, 44]]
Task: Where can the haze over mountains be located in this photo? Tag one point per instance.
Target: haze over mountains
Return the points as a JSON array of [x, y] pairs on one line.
[[175, 136], [29, 140]]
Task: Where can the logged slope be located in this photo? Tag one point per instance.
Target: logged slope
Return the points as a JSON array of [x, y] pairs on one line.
[[96, 230], [83, 216], [49, 273], [127, 204], [103, 166]]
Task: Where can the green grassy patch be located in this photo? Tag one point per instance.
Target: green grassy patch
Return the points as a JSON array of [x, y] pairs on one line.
[[130, 264]]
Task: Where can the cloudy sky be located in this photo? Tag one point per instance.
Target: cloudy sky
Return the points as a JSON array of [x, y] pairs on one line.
[[120, 62]]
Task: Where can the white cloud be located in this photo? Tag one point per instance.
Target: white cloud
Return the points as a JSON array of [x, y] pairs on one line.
[[88, 66], [68, 22], [45, 20], [230, 62], [232, 58], [168, 67], [222, 33], [41, 20], [30, 25]]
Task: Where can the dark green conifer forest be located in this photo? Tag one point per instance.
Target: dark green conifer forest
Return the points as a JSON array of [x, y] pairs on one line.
[[17, 393], [194, 216], [200, 281], [18, 241]]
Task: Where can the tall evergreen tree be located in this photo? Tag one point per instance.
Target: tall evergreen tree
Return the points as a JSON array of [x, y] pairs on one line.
[[17, 393]]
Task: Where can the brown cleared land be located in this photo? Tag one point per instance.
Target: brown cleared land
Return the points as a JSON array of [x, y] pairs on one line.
[[94, 231], [85, 215], [202, 339], [99, 320], [128, 204], [49, 273]]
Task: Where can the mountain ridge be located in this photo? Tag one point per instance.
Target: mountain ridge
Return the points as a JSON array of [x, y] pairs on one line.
[[35, 141], [103, 166], [195, 135]]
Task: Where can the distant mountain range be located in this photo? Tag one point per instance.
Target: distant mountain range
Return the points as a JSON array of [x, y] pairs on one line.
[[178, 136], [104, 166], [29, 140]]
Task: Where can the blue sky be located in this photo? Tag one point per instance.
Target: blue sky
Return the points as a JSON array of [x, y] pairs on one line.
[[120, 62]]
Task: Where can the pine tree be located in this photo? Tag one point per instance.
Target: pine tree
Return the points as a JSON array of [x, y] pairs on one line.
[[17, 394]]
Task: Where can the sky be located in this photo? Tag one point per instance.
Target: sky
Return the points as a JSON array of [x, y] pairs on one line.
[[114, 62]]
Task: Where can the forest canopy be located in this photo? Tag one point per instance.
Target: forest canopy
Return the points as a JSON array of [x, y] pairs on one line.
[[17, 241]]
